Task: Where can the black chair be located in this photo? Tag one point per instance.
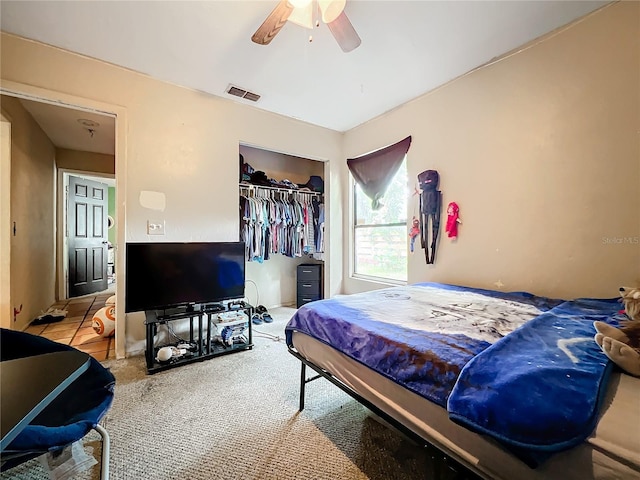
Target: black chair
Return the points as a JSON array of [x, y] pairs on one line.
[[70, 416]]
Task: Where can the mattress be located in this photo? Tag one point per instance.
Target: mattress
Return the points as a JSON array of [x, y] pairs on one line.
[[611, 452]]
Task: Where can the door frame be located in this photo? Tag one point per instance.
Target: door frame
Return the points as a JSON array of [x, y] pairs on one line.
[[62, 250], [6, 314], [38, 94]]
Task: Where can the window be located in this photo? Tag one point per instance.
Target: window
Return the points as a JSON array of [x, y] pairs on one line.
[[380, 236]]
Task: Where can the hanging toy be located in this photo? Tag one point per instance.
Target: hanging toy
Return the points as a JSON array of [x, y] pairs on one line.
[[430, 206], [414, 232], [452, 220]]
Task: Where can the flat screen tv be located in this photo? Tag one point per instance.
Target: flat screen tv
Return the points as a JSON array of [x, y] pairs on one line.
[[164, 275]]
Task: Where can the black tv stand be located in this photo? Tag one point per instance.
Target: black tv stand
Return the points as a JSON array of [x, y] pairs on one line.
[[163, 315], [210, 338]]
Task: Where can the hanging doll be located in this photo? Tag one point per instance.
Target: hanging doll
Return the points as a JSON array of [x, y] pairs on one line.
[[430, 206], [414, 232], [452, 220]]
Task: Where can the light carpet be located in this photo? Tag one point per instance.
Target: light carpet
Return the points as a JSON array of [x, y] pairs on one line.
[[236, 417]]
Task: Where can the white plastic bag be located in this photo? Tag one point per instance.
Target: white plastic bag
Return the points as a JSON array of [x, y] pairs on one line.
[[67, 463]]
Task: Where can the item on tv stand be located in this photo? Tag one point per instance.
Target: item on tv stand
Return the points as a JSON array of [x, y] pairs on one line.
[[213, 307], [231, 333], [206, 338], [169, 352], [164, 354], [231, 327], [230, 316], [236, 304]]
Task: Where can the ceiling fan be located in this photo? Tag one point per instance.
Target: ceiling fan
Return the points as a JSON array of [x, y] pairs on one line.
[[331, 11]]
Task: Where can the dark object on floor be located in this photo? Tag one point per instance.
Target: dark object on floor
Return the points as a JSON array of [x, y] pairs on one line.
[[47, 318], [261, 309], [70, 416], [261, 315]]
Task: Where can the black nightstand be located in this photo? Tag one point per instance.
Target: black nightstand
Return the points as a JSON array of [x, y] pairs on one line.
[[309, 283]]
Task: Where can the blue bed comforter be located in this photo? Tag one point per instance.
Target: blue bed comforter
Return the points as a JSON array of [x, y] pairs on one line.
[[539, 389], [454, 346], [420, 335]]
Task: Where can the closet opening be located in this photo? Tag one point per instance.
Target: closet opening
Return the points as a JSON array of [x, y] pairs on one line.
[[281, 221]]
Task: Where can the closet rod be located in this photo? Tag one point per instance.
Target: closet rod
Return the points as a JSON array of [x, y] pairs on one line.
[[279, 189]]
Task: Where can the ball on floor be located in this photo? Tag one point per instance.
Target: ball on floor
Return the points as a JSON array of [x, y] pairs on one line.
[[104, 321]]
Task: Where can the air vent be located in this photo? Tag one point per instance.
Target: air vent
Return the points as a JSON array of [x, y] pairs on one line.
[[239, 92], [252, 96]]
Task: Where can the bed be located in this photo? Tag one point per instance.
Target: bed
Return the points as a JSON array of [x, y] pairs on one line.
[[509, 385]]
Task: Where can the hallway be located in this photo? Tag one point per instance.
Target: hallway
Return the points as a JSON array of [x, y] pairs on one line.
[[75, 329]]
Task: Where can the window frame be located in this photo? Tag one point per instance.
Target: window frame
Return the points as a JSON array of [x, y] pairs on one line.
[[354, 226]]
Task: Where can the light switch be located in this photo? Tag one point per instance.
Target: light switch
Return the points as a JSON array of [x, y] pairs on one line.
[[155, 227]]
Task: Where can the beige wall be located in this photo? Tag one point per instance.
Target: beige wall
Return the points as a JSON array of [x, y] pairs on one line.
[[541, 152], [32, 210], [85, 161], [178, 142]]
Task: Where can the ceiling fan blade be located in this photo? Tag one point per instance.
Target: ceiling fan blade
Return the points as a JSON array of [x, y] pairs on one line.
[[273, 23], [344, 33]]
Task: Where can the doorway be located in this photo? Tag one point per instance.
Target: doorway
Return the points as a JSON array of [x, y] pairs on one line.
[[87, 208], [119, 116], [46, 138]]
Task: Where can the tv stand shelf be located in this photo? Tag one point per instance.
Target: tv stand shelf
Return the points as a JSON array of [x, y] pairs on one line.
[[214, 330]]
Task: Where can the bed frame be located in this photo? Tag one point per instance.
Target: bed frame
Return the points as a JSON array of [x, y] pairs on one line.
[[442, 464]]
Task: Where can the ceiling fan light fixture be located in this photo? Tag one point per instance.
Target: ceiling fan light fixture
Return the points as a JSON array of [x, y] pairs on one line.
[[299, 3], [302, 16], [331, 9]]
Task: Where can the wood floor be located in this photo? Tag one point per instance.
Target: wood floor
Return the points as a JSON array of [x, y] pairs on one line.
[[76, 330]]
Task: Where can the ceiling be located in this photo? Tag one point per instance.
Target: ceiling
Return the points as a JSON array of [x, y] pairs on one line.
[[408, 47], [74, 129]]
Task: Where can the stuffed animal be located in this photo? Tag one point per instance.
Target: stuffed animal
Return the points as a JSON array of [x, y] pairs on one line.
[[453, 219], [622, 345], [414, 232]]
